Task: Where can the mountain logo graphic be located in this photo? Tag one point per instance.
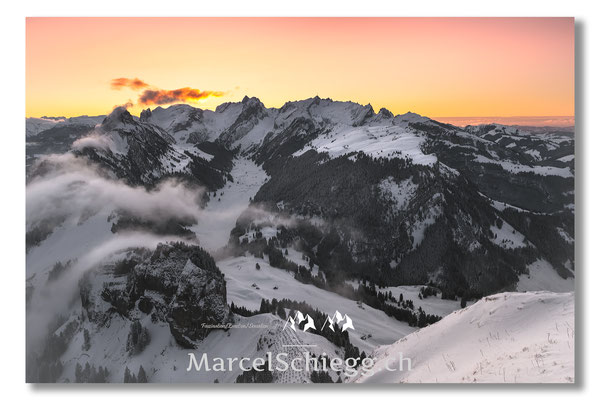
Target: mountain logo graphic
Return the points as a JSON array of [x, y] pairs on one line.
[[344, 321], [298, 319], [338, 319]]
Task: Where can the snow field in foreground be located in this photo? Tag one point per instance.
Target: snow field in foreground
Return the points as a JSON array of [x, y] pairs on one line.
[[504, 338]]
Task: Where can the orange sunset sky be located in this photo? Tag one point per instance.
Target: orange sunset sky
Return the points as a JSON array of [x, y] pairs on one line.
[[438, 67]]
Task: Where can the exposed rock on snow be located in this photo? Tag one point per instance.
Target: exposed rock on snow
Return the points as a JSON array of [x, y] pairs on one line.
[[190, 284], [179, 284]]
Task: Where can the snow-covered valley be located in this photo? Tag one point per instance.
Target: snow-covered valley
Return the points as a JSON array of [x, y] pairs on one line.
[[218, 218]]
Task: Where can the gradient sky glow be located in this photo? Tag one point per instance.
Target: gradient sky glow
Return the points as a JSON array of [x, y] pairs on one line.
[[451, 67]]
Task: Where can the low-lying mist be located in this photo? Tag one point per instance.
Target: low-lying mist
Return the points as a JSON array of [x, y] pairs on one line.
[[73, 194], [71, 187]]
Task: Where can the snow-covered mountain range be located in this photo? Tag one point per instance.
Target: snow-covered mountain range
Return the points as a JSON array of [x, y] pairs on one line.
[[320, 205]]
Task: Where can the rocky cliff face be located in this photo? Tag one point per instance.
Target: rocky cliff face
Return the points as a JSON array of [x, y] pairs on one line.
[[188, 282], [177, 283]]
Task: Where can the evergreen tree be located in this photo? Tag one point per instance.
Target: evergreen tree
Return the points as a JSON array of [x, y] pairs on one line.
[[141, 376], [86, 340], [87, 372], [281, 312], [78, 373], [138, 338]]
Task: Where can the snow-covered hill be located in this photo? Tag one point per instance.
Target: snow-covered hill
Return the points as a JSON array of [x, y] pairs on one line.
[[165, 362], [504, 338], [247, 287]]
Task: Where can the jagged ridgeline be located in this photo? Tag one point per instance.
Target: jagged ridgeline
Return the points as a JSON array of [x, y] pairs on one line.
[[160, 221]]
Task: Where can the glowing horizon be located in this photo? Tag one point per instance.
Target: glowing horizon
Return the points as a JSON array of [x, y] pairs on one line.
[[451, 67]]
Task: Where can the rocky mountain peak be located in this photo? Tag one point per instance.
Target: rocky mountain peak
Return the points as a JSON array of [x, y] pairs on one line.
[[385, 113], [119, 120], [145, 115], [252, 102]]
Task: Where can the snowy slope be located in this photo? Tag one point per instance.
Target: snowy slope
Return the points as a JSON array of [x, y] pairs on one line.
[[241, 274], [166, 362], [219, 216], [542, 276], [431, 305], [33, 126], [504, 338], [377, 141], [517, 168], [508, 237], [69, 241]]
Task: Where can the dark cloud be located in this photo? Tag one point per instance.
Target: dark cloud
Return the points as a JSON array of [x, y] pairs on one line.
[[159, 97], [135, 83]]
